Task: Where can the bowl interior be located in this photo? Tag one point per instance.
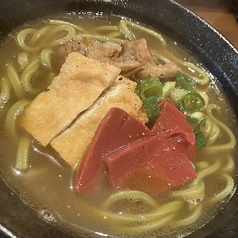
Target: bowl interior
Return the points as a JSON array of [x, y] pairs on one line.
[[193, 34]]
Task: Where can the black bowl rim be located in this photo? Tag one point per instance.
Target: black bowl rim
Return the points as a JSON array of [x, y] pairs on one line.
[[197, 37]]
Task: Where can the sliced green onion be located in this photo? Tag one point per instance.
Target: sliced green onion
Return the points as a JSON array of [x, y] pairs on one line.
[[151, 108], [200, 140], [151, 87], [192, 120], [192, 102], [168, 88], [200, 137], [177, 95], [185, 82], [197, 128], [150, 92]]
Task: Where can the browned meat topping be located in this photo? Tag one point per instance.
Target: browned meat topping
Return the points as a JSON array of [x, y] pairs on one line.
[[104, 52], [167, 70], [133, 57]]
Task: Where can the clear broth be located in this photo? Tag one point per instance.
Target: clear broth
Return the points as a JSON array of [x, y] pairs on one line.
[[46, 185]]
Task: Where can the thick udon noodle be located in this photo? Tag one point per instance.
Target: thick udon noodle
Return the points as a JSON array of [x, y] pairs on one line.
[[38, 46]]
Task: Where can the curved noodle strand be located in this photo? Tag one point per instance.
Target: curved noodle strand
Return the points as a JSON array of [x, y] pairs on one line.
[[194, 194], [68, 32], [5, 92], [149, 226], [193, 217], [32, 39], [232, 140], [131, 194], [28, 74], [207, 171], [15, 81], [202, 165], [12, 115], [38, 35], [114, 35], [114, 31], [103, 38], [199, 74], [224, 192], [110, 28], [123, 25], [212, 131], [229, 166], [141, 223], [23, 60], [203, 78], [22, 153], [22, 37], [160, 211], [46, 55], [60, 22]]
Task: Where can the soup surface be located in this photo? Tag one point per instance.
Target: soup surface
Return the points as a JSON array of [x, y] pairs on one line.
[[32, 56]]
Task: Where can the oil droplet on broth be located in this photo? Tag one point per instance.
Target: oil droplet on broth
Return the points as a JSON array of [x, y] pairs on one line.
[[47, 215]]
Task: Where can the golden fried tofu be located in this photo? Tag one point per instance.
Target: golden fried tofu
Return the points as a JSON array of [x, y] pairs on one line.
[[71, 144], [80, 82]]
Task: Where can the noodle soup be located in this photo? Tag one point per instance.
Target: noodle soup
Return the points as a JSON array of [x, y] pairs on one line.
[[33, 55]]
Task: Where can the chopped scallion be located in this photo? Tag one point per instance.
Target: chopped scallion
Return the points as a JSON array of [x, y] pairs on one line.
[[200, 140], [151, 87], [192, 120], [197, 128], [185, 82], [150, 92], [192, 102], [151, 108]]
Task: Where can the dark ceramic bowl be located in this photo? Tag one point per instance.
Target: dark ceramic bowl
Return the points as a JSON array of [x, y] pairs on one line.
[[208, 46]]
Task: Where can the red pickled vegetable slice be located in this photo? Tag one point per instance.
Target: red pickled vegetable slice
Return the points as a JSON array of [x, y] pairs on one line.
[[154, 165], [173, 122], [170, 118], [116, 130]]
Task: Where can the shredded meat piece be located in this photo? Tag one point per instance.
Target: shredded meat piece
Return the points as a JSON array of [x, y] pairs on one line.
[[104, 52], [138, 51], [133, 57], [168, 70]]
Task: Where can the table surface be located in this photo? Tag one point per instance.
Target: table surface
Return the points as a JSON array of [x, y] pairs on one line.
[[218, 13]]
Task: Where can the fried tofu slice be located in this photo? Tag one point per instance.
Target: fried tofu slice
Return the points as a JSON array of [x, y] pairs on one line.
[[80, 82], [72, 143]]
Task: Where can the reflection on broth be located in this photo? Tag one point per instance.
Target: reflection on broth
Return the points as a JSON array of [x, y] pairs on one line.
[[32, 57]]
